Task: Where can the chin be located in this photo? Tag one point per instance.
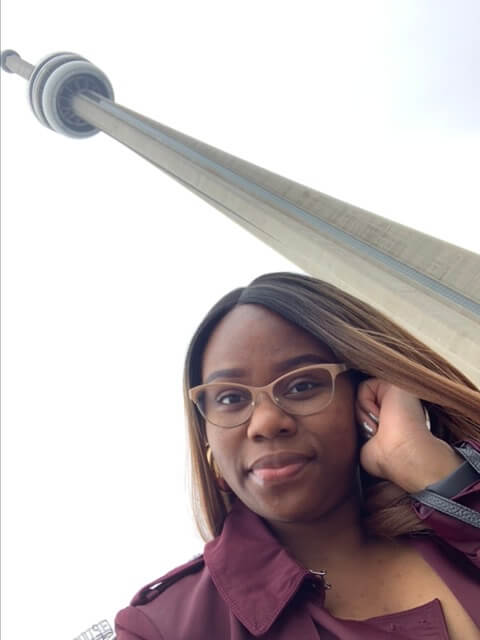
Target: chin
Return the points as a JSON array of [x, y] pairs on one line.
[[288, 509]]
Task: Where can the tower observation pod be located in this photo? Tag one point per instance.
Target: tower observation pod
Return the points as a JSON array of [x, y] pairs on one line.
[[430, 287]]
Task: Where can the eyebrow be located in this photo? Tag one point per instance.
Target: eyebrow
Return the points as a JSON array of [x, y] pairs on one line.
[[280, 367]]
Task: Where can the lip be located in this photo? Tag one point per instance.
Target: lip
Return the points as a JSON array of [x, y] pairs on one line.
[[279, 459], [278, 468]]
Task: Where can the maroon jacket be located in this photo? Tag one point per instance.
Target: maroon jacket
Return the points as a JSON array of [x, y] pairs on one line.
[[246, 585]]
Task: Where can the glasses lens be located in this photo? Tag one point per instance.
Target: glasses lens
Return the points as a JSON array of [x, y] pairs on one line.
[[306, 392], [225, 405]]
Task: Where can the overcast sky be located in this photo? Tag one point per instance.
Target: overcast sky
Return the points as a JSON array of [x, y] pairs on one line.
[[108, 265]]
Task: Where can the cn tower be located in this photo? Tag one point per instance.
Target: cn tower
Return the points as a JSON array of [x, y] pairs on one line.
[[430, 287]]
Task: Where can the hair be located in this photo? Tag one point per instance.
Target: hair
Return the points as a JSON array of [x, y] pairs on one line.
[[372, 345]]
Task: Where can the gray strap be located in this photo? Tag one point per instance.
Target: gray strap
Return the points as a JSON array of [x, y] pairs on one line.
[[471, 455], [450, 507], [457, 481], [438, 495], [465, 475]]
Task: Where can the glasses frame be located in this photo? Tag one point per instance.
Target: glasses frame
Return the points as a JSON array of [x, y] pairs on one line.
[[334, 369]]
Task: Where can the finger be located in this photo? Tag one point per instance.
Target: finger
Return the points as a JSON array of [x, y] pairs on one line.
[[367, 431], [372, 389], [367, 411], [367, 426], [366, 399]]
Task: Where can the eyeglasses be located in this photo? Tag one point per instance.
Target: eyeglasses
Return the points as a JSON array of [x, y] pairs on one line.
[[301, 392]]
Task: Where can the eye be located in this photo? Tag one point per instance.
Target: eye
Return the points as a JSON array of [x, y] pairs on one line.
[[306, 387], [231, 397], [302, 386]]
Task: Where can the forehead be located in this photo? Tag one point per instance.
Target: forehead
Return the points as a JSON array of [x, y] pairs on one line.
[[253, 337]]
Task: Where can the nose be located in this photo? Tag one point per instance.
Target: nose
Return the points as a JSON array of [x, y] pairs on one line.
[[269, 421]]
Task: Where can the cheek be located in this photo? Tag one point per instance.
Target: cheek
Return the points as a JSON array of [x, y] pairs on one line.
[[336, 428], [345, 437], [226, 445], [343, 404]]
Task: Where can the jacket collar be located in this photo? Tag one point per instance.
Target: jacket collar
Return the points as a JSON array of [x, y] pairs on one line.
[[252, 572]]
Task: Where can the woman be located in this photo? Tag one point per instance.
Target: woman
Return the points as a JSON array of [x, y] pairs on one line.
[[314, 421]]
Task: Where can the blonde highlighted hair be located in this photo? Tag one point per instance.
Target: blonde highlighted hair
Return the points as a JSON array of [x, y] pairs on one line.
[[373, 346]]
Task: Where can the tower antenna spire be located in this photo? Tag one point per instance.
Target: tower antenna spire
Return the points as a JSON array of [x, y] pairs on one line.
[[428, 286]]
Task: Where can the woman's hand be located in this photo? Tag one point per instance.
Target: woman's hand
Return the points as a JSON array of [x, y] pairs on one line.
[[401, 448]]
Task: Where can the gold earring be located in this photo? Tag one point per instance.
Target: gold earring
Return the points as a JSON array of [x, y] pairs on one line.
[[211, 462], [209, 457], [221, 483]]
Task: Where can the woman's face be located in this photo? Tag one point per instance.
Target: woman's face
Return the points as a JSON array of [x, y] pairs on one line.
[[257, 342]]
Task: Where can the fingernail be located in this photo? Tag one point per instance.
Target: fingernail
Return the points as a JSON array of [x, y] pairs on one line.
[[368, 428], [427, 419], [373, 417]]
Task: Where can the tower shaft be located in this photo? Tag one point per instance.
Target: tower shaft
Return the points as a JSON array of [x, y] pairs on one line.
[[428, 286]]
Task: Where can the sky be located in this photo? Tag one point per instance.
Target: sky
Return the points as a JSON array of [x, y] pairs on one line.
[[108, 265]]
